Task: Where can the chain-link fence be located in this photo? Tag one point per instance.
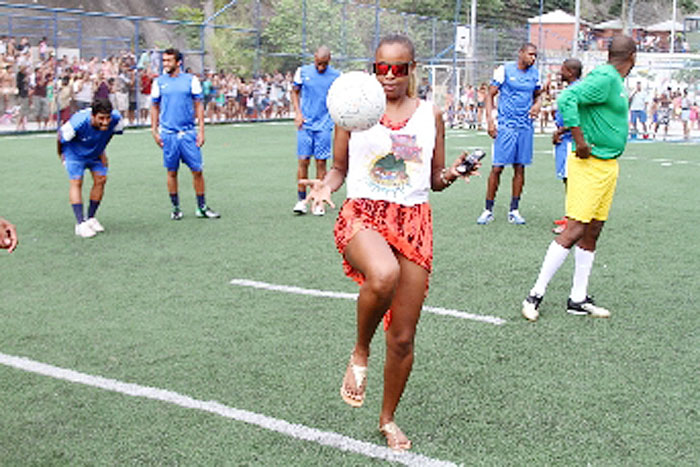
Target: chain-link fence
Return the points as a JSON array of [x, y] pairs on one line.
[[250, 38]]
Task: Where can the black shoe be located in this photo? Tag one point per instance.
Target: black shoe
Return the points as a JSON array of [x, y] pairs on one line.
[[586, 308], [531, 307]]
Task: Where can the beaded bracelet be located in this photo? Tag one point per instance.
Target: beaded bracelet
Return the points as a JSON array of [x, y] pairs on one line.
[[444, 179]]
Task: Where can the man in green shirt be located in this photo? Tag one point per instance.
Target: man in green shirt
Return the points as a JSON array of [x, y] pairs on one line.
[[595, 110]]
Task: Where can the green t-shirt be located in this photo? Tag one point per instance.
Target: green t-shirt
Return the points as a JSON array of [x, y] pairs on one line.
[[599, 105]]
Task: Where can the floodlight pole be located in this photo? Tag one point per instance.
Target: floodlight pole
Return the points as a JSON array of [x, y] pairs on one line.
[[454, 82], [472, 42], [673, 28]]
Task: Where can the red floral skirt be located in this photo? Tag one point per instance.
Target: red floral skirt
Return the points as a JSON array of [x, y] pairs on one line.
[[408, 229]]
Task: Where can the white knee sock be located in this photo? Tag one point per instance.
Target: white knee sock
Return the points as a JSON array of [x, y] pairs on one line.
[[555, 257], [582, 271]]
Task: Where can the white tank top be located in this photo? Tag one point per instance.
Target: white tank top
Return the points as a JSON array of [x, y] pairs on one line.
[[393, 165]]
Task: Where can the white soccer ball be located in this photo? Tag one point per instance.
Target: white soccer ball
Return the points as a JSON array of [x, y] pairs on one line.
[[356, 101]]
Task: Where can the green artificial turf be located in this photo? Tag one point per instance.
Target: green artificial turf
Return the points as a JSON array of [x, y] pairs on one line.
[[149, 302]]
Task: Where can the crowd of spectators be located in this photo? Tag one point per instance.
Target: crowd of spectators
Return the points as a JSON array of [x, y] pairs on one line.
[[664, 106], [37, 86]]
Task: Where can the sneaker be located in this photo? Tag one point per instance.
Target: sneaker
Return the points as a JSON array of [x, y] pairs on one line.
[[84, 230], [207, 213], [486, 217], [300, 207], [318, 210], [586, 307], [514, 217], [95, 225], [531, 307], [176, 215]]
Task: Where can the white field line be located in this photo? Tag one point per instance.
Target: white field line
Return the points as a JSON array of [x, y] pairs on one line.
[[353, 296], [325, 438]]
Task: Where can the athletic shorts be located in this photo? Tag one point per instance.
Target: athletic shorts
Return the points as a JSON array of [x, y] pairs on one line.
[[590, 188], [76, 167], [181, 146], [561, 153], [314, 143], [636, 115], [513, 146]]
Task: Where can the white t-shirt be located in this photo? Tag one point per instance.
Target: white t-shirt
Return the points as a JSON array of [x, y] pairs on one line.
[[393, 165], [639, 101]]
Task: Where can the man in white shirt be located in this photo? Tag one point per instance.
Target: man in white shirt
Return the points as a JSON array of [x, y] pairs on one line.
[[638, 110]]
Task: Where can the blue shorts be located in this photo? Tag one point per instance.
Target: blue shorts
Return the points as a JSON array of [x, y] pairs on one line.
[[513, 146], [314, 143], [561, 152], [76, 167], [638, 115], [181, 146]]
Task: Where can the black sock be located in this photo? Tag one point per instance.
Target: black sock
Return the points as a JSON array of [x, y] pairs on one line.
[[175, 199], [514, 203], [92, 208], [78, 211], [200, 201], [489, 204]]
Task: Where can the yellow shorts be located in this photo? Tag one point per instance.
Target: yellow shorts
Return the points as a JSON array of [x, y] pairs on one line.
[[590, 187]]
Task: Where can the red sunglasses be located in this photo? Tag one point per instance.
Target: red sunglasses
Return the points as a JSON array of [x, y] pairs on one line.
[[397, 69]]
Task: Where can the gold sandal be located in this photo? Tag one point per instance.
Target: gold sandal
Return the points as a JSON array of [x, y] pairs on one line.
[[359, 376], [393, 433]]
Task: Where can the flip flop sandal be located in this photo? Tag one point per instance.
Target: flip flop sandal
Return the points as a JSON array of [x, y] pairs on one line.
[[359, 377], [392, 432]]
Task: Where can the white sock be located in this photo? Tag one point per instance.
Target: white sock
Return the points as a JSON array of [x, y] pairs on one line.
[[582, 271], [555, 257]]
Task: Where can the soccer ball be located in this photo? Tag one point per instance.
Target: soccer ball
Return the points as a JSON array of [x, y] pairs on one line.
[[356, 101]]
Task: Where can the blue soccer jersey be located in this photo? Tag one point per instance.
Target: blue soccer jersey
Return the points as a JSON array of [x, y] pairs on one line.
[[80, 140], [176, 96], [314, 88], [516, 94]]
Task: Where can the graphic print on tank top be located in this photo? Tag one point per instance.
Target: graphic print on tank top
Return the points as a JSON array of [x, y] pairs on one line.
[[389, 172]]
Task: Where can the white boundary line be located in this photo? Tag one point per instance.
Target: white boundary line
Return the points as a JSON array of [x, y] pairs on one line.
[[325, 438], [353, 296]]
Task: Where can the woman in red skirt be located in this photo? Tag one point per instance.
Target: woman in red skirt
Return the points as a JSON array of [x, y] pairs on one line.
[[384, 228]]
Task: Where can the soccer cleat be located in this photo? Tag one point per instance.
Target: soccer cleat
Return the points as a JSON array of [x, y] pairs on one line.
[[84, 230], [95, 225], [531, 307], [586, 307], [176, 215], [486, 217], [514, 217], [300, 207], [206, 213], [318, 210]]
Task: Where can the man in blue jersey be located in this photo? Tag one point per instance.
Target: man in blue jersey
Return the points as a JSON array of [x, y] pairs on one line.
[[176, 102], [570, 73], [81, 145], [518, 87], [313, 122]]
